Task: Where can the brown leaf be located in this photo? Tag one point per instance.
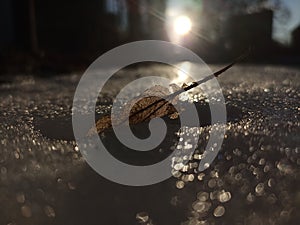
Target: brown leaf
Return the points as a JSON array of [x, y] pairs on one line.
[[145, 109], [142, 110]]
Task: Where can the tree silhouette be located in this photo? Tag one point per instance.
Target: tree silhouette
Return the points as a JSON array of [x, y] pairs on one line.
[[234, 7], [215, 13]]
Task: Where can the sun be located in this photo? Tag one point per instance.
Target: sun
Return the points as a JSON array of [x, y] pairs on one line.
[[182, 25]]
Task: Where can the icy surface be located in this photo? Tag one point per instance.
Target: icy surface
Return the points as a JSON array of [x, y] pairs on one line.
[[254, 180]]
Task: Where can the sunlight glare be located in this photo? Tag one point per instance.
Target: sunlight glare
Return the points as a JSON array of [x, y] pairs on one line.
[[182, 25], [182, 73]]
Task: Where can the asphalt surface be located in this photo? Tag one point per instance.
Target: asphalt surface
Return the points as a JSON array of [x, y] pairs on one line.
[[254, 180]]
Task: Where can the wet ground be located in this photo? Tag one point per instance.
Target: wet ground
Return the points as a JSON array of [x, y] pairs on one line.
[[254, 180]]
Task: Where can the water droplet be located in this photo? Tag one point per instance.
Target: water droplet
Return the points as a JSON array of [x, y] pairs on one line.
[[185, 168], [214, 174], [254, 156], [256, 171], [284, 168], [212, 183], [176, 173], [228, 157], [202, 196], [206, 165], [26, 211], [224, 196], [191, 177], [219, 211], [76, 148], [185, 178], [259, 189], [178, 166], [262, 161], [201, 176], [142, 217], [198, 156], [49, 211], [266, 168], [201, 207], [180, 184], [271, 182]]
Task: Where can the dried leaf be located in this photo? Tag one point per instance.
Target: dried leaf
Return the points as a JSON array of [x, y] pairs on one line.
[[152, 104], [141, 110]]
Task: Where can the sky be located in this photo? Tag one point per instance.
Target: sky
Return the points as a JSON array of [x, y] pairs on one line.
[[282, 32]]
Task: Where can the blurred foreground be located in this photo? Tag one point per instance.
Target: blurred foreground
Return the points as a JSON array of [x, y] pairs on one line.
[[254, 180]]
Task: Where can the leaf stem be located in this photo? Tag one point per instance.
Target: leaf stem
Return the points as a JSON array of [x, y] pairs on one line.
[[193, 85]]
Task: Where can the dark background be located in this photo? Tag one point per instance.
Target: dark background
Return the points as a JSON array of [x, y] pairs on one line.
[[53, 35]]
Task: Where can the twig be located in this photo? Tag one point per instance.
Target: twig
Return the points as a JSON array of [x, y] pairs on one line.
[[193, 85]]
